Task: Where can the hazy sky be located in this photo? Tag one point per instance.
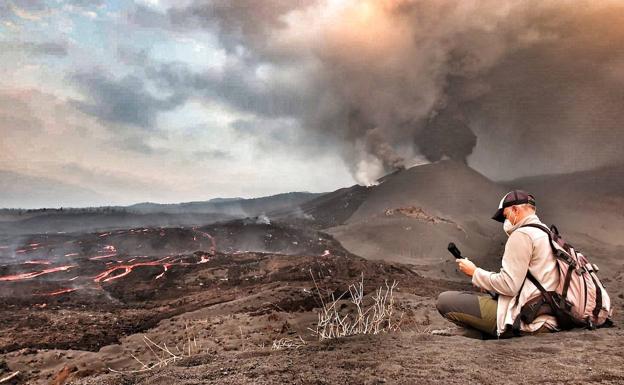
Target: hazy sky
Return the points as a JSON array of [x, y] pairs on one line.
[[82, 103], [121, 101]]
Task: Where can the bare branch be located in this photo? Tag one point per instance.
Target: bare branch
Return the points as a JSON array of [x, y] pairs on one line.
[[378, 317]]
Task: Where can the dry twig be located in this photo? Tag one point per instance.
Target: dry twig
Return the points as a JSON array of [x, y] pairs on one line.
[[378, 317], [288, 343], [164, 356], [9, 377]]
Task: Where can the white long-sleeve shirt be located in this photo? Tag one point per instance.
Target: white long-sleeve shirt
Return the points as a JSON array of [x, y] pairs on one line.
[[527, 249]]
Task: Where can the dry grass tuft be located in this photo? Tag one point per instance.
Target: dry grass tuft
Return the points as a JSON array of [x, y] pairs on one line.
[[165, 355], [288, 343], [376, 316]]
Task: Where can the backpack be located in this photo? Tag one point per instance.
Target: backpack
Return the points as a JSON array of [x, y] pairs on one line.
[[580, 299]]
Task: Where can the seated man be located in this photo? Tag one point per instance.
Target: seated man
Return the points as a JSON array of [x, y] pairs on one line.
[[527, 249]]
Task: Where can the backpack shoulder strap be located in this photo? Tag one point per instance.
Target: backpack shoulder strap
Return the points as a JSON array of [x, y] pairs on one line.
[[547, 231], [568, 277], [545, 295], [530, 276], [538, 226], [534, 281]]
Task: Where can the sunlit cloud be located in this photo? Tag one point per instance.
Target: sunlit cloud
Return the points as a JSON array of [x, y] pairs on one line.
[[198, 99]]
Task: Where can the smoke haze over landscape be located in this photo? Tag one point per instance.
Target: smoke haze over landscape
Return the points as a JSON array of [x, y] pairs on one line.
[[121, 102], [265, 191]]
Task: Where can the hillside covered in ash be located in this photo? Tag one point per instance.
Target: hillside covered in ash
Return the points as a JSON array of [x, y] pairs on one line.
[[238, 299]]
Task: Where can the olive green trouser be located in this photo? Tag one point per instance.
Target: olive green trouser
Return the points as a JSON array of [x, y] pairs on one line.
[[474, 311], [469, 310]]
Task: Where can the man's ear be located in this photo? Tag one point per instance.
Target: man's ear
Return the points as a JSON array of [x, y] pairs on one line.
[[516, 211]]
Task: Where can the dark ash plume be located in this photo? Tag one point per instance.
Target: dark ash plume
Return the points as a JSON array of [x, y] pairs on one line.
[[535, 86], [446, 135]]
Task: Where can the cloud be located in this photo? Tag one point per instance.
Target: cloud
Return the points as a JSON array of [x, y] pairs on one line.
[[5, 11], [45, 136], [213, 155], [86, 3], [132, 57], [510, 87], [270, 136], [30, 5], [16, 113], [46, 140], [239, 84], [49, 48], [147, 17], [135, 142], [107, 180], [25, 191], [121, 101], [23, 9], [237, 22]]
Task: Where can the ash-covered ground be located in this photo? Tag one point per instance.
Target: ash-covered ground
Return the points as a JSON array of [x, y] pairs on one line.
[[106, 307], [78, 303]]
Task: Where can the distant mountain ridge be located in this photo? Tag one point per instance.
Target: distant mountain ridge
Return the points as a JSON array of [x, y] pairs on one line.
[[232, 206], [410, 216], [14, 221]]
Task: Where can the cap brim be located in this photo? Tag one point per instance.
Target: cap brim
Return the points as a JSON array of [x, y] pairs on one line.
[[499, 217]]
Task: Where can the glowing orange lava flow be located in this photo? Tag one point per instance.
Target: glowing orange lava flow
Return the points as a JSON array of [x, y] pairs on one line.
[[26, 250], [34, 274], [102, 256], [165, 267], [58, 292], [106, 275]]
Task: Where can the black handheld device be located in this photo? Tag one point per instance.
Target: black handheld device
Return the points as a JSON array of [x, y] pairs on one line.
[[454, 250], [457, 254]]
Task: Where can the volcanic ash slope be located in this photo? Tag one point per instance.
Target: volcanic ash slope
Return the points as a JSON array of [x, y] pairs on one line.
[[588, 209], [586, 206], [412, 215]]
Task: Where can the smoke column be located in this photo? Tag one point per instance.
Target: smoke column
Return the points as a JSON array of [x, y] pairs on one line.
[[512, 88]]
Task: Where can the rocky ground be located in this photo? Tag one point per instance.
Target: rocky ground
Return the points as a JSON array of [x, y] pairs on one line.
[[248, 317], [78, 305], [238, 302]]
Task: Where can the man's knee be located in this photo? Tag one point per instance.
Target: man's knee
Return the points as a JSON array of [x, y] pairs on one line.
[[468, 309], [459, 302], [446, 302]]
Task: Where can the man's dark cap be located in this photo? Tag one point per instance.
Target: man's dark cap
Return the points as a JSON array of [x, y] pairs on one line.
[[512, 198]]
